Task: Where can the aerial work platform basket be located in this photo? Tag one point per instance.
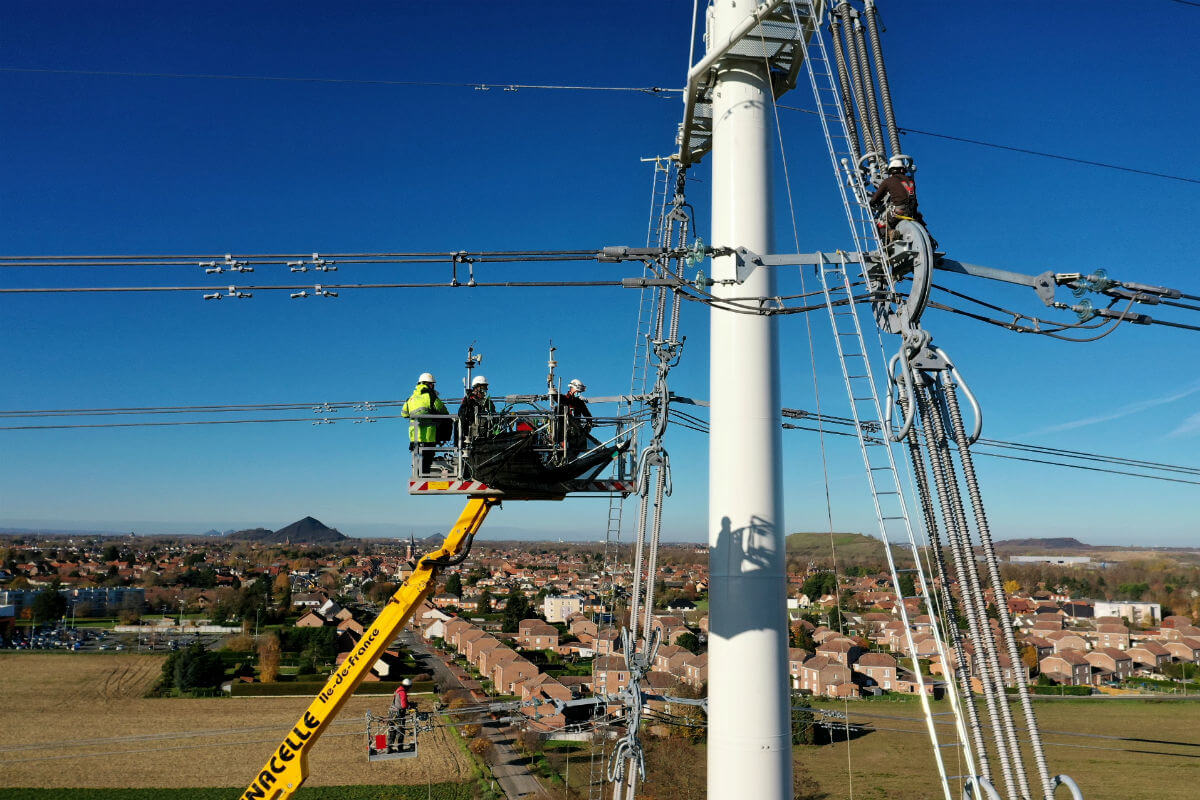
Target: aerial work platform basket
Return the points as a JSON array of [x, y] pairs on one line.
[[528, 450], [391, 736]]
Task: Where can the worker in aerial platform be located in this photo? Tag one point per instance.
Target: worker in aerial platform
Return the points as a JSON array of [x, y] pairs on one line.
[[399, 714], [576, 416], [425, 432], [900, 190], [477, 411]]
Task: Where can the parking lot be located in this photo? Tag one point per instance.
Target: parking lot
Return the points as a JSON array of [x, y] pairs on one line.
[[95, 640]]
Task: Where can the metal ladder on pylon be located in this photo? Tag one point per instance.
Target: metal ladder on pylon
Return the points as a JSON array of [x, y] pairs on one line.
[[647, 304], [891, 509]]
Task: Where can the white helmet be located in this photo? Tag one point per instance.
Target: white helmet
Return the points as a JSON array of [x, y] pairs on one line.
[[426, 377], [898, 162], [406, 682], [478, 380], [577, 385]]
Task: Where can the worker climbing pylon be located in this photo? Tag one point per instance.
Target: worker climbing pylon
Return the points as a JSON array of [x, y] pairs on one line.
[[900, 191]]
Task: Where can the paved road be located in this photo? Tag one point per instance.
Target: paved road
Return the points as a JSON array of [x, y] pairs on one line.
[[509, 767]]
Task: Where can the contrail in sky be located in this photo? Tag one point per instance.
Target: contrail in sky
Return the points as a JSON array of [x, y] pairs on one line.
[[1133, 408]]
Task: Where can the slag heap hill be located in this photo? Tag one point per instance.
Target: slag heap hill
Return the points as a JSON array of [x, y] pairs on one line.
[[307, 531]]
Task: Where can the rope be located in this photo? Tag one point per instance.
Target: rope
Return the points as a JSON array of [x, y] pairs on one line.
[[812, 358]]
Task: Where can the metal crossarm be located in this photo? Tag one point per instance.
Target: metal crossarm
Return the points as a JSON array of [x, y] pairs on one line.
[[768, 33]]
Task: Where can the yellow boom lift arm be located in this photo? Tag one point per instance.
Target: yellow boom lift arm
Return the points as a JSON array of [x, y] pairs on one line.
[[287, 768]]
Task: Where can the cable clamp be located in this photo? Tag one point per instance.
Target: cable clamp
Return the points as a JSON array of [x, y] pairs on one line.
[[319, 292], [235, 292], [323, 265], [233, 265]]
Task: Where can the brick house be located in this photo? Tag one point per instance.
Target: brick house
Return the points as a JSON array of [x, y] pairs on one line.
[[609, 674], [466, 637], [821, 675], [695, 670], [1068, 667], [607, 642], [488, 659], [1186, 650], [1112, 635], [839, 649], [453, 628], [669, 627], [1110, 663], [542, 687], [877, 669], [581, 626], [310, 619], [536, 634], [1149, 655], [474, 648], [1066, 640], [508, 676], [796, 657]]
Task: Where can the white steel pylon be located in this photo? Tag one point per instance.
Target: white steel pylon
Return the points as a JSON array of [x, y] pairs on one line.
[[752, 55]]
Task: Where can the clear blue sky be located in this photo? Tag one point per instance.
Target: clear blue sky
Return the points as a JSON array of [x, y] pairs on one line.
[[123, 165]]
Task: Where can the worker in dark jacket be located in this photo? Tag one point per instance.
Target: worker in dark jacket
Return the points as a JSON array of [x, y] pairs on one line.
[[901, 193], [426, 433], [476, 414], [576, 416]]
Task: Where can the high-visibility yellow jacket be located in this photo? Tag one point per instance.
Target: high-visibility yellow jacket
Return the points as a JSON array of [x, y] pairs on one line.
[[423, 401]]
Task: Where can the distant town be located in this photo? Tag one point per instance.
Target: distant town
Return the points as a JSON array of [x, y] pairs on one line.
[[541, 621]]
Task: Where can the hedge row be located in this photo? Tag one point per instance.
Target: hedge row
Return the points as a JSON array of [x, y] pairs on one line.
[[1081, 691], [313, 687], [438, 791]]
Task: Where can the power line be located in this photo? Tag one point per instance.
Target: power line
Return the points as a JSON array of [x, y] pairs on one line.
[[1028, 151], [477, 85], [681, 418], [1056, 156], [301, 262], [307, 286]]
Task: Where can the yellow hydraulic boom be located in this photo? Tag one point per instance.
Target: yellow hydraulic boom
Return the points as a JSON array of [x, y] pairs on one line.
[[287, 768]]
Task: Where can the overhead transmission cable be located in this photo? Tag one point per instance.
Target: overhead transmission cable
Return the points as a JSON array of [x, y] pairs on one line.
[[1027, 151], [1032, 453], [478, 85]]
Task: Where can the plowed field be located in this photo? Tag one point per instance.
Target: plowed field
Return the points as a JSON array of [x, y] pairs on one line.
[[81, 720]]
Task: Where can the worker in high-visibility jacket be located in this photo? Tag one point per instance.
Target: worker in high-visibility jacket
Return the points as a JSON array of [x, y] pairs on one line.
[[425, 433]]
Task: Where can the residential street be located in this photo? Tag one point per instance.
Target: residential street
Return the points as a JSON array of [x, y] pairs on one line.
[[507, 765]]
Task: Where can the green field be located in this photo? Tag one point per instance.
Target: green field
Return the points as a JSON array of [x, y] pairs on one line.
[[1125, 741], [852, 548]]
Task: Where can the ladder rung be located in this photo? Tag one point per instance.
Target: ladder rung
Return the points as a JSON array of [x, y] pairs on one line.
[[951, 744], [908, 569]]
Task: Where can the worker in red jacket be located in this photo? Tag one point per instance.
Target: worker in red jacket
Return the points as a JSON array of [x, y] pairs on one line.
[[399, 712]]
